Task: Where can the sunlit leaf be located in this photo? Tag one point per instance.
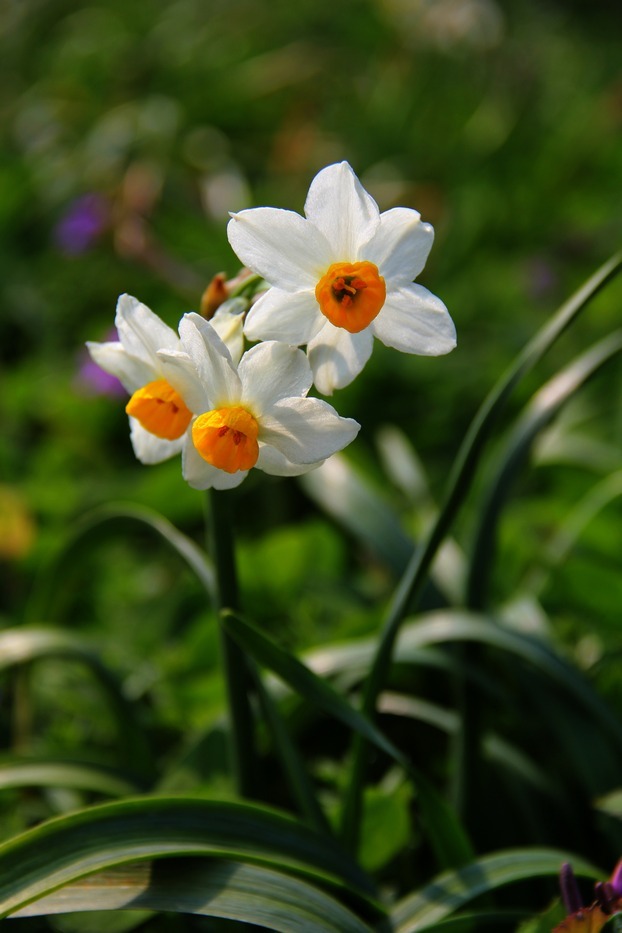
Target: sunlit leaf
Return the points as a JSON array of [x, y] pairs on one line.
[[67, 848], [212, 888], [449, 892]]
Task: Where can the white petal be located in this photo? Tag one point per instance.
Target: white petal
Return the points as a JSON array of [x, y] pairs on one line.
[[306, 430], [211, 359], [228, 322], [149, 448], [337, 356], [338, 205], [179, 371], [272, 371], [200, 474], [414, 320], [272, 461], [282, 246], [141, 332], [400, 246], [292, 317], [132, 372]]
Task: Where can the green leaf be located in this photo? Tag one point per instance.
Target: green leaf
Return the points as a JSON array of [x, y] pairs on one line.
[[114, 518], [291, 761], [65, 849], [304, 682], [460, 481], [545, 922], [449, 892], [539, 413], [476, 921], [212, 888], [343, 493], [26, 645], [386, 825], [445, 833], [20, 772]]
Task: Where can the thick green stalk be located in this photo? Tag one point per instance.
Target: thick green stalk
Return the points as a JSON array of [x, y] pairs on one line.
[[235, 665], [459, 484]]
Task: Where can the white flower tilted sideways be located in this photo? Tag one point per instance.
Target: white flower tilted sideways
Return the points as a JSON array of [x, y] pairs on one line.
[[255, 414], [340, 276], [159, 417]]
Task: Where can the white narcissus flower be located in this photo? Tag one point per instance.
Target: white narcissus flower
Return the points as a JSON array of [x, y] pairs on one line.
[[340, 276], [253, 415], [159, 417]]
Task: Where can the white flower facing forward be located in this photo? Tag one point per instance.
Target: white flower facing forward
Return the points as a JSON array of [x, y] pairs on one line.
[[341, 276], [159, 417], [253, 415]]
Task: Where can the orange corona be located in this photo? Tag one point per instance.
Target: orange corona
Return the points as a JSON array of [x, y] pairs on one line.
[[350, 294], [227, 438], [160, 409]]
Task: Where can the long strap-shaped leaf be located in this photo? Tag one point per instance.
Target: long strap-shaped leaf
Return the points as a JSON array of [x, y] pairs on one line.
[[50, 772], [452, 890], [118, 515], [444, 831], [544, 406], [26, 645], [212, 888], [459, 483], [68, 848]]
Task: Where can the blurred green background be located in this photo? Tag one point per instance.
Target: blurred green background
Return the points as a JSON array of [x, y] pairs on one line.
[[128, 133]]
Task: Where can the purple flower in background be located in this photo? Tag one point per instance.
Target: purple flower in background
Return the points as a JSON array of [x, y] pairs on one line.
[[96, 380], [82, 223]]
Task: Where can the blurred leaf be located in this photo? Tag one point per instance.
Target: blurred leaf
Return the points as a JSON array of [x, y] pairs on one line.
[[449, 892], [445, 832], [538, 414], [212, 888], [29, 645], [20, 772], [460, 480], [304, 682], [386, 825], [114, 518], [68, 848], [347, 497], [546, 921]]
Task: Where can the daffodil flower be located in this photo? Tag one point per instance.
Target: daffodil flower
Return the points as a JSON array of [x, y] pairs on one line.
[[159, 417], [340, 276], [255, 414]]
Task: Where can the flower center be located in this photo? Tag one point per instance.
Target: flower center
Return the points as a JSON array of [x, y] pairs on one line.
[[160, 409], [227, 438], [350, 294]]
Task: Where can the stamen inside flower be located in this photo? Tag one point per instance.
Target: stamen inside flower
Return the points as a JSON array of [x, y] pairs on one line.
[[227, 438], [350, 294], [160, 409]]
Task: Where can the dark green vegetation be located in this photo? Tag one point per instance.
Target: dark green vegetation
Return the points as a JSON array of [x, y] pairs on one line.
[[128, 132]]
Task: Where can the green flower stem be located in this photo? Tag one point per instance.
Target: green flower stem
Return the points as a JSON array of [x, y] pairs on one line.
[[460, 481], [235, 664]]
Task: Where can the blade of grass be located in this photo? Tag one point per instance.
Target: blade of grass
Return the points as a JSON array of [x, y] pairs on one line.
[[293, 766], [543, 408], [445, 834], [451, 891], [65, 849], [210, 888], [24, 645], [459, 483], [24, 772], [112, 518], [244, 759]]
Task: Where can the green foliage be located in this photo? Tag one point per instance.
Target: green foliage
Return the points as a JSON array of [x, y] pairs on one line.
[[485, 716]]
